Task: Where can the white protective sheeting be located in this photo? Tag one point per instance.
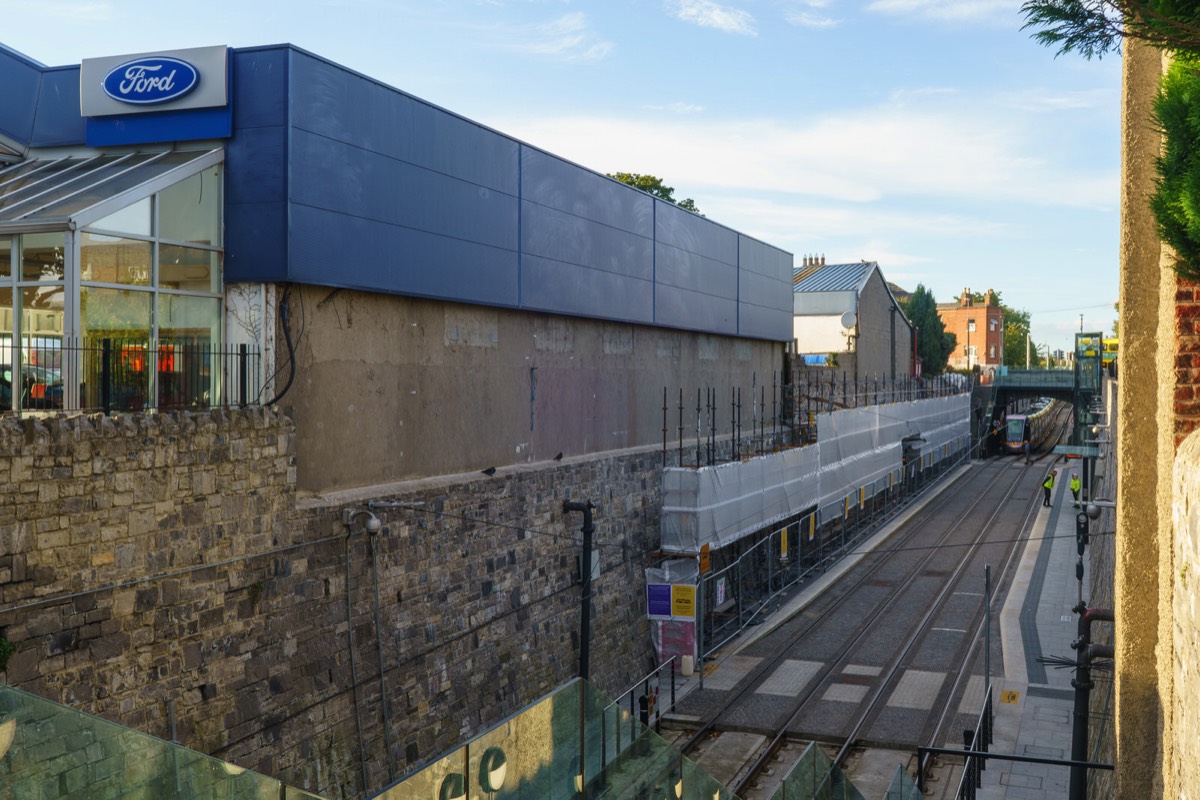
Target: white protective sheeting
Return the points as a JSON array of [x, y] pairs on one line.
[[720, 504], [856, 448]]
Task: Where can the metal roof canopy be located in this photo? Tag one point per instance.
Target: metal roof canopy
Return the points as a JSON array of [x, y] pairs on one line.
[[70, 192]]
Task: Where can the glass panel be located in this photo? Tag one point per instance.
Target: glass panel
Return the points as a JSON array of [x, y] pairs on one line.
[[54, 747], [66, 185], [111, 259], [190, 211], [6, 349], [23, 188], [189, 338], [5, 256], [134, 219], [119, 179], [41, 384], [42, 257], [119, 320], [189, 268]]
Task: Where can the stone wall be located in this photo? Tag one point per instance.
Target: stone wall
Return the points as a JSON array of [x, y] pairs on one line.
[[1186, 709], [160, 571]]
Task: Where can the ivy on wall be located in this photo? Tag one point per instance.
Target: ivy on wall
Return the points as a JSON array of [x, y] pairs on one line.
[[1176, 203]]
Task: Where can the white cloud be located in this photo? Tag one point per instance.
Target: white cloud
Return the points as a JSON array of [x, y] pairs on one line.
[[861, 156], [950, 10], [567, 38], [808, 15], [676, 108], [708, 14], [807, 19]]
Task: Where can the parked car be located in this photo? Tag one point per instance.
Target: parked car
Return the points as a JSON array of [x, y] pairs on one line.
[[41, 387]]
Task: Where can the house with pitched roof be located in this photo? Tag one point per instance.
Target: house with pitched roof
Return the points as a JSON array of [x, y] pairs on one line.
[[849, 311]]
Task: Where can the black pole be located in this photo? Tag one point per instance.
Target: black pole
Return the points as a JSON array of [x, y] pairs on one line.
[[106, 375], [585, 570], [243, 352], [1082, 684]]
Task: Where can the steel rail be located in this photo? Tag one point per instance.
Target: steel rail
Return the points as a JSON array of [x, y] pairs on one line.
[[882, 607], [755, 677]]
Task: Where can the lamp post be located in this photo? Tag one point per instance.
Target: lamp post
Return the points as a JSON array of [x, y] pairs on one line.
[[970, 330], [585, 572]]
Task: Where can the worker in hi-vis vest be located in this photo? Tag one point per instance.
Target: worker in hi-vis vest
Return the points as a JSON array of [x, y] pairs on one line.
[[1075, 485], [1047, 485]]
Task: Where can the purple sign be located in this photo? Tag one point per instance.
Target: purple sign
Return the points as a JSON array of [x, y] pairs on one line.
[[658, 600]]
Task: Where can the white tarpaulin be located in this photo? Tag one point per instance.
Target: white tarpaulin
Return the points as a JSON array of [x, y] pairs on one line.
[[720, 504], [856, 448]]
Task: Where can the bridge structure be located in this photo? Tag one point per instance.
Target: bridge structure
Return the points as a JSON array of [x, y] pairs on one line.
[[1081, 386]]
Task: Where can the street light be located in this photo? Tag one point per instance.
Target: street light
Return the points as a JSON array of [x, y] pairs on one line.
[[1094, 506]]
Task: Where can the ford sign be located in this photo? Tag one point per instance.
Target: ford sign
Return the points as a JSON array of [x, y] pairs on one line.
[[150, 80]]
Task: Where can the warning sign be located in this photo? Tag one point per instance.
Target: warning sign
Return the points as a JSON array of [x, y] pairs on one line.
[[1010, 696], [683, 601]]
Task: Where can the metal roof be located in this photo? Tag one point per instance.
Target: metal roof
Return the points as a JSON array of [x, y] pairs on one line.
[[72, 191], [832, 277]]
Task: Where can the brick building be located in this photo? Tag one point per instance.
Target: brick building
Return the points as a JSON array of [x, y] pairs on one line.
[[979, 328]]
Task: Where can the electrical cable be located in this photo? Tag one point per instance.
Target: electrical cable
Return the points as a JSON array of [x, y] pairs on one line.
[[287, 338]]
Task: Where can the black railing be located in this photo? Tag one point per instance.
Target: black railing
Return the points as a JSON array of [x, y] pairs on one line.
[[113, 375]]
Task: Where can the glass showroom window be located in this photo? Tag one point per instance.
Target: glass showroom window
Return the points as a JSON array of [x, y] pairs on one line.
[[150, 300], [31, 321]]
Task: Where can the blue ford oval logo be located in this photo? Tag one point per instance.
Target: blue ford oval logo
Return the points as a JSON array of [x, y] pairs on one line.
[[150, 80]]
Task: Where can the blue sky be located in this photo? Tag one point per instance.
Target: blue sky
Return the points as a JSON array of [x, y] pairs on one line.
[[932, 136]]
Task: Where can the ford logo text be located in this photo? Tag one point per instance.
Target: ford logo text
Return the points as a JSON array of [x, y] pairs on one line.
[[150, 80]]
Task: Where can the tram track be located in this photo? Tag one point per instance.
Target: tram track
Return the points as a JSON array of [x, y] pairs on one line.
[[873, 573]]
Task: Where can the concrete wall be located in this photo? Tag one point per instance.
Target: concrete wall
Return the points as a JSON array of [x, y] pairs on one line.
[[160, 567], [389, 388], [884, 344], [1144, 669]]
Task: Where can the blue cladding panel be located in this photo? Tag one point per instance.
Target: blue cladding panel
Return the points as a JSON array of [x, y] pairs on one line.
[[19, 80], [255, 237], [765, 323], [695, 234], [165, 126], [256, 211], [259, 87], [339, 177], [58, 119], [257, 166], [690, 270], [575, 241], [569, 289], [555, 183], [330, 249], [335, 103], [696, 311]]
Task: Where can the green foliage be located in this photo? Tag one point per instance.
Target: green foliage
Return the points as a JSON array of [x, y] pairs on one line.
[[1095, 27], [934, 345], [655, 186], [1176, 202], [6, 652], [1016, 332]]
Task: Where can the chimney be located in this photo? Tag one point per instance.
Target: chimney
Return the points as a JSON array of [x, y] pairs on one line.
[[822, 259]]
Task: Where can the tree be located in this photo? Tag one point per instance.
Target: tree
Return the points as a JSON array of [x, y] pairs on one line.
[[655, 186], [1094, 27], [934, 345], [1174, 203], [1016, 333]]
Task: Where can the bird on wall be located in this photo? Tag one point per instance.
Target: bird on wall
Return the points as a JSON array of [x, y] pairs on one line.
[[558, 457], [489, 471]]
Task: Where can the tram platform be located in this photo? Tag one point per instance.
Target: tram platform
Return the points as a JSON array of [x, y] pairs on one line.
[[1033, 702]]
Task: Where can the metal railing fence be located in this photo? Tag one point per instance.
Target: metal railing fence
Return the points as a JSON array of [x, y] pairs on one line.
[[129, 374]]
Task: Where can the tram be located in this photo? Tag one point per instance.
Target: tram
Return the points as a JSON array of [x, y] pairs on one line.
[[1018, 427]]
